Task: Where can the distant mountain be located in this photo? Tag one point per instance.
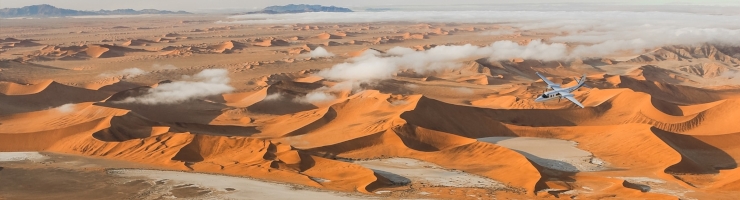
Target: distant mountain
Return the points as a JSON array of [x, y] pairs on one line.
[[299, 8], [138, 12], [45, 10]]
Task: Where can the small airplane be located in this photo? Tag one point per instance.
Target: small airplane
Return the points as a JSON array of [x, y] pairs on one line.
[[558, 92]]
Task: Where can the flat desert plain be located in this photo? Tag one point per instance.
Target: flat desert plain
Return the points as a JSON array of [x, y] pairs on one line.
[[238, 107]]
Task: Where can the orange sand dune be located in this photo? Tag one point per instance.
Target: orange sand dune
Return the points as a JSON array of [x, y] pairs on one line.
[[653, 149], [641, 149], [656, 138], [365, 102], [44, 140], [95, 51], [12, 42], [172, 35], [10, 88], [81, 52], [426, 145], [228, 45], [471, 72], [245, 99], [711, 120], [416, 36], [133, 138], [96, 85], [703, 154], [137, 42], [601, 187], [326, 36], [130, 126], [674, 93], [321, 129], [55, 118], [271, 42], [653, 73], [200, 112], [727, 180], [53, 95]]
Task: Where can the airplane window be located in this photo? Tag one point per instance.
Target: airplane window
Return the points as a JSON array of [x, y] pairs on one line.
[[544, 96]]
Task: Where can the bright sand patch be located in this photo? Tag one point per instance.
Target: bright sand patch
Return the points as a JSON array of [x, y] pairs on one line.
[[20, 156], [404, 171], [227, 187], [551, 153]]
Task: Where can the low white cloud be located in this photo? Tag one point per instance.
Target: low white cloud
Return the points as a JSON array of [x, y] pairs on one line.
[[367, 68], [601, 32], [316, 97], [730, 76], [372, 65], [396, 51], [637, 41], [353, 86], [536, 49], [528, 19], [66, 108], [125, 73], [320, 52], [577, 33], [273, 97], [206, 83]]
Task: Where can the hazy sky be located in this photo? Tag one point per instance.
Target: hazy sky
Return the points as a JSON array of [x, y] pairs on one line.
[[200, 5]]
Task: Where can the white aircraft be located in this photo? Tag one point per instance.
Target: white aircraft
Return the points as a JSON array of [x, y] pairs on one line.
[[558, 92]]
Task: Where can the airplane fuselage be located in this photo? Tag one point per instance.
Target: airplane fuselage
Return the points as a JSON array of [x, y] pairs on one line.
[[550, 95], [555, 94], [545, 97]]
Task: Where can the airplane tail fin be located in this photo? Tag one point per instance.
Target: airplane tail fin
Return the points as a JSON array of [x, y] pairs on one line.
[[582, 82]]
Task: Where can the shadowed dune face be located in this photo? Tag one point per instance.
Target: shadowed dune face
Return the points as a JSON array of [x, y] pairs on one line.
[[395, 110], [701, 154], [129, 126], [52, 95]]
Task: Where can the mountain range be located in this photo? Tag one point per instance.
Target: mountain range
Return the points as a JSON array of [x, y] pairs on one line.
[[299, 8], [45, 10]]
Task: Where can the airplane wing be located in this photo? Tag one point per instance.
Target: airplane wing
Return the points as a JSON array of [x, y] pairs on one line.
[[549, 83], [573, 99]]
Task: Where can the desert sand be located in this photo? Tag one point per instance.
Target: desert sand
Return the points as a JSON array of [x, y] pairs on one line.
[[195, 108], [138, 182]]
